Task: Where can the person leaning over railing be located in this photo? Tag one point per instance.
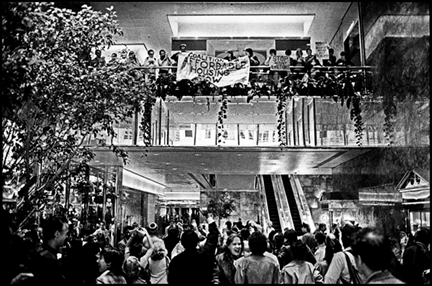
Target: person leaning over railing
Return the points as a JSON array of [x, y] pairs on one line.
[[163, 60]]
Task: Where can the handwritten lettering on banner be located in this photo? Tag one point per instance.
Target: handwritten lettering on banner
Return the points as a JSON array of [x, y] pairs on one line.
[[280, 63], [218, 71]]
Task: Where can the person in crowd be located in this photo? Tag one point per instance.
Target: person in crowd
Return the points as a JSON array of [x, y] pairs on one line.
[[273, 75], [285, 255], [121, 245], [89, 262], [343, 61], [403, 241], [257, 268], [270, 232], [332, 58], [252, 58], [70, 259], [150, 62], [244, 234], [332, 246], [416, 258], [178, 248], [157, 263], [338, 268], [171, 225], [46, 265], [176, 55], [321, 248], [299, 271], [152, 230], [113, 59], [230, 56], [104, 231], [233, 249], [110, 267], [163, 61], [132, 59], [131, 268], [322, 228], [172, 239], [335, 229], [299, 59], [278, 241], [373, 254], [239, 224], [308, 237], [98, 60], [198, 262]]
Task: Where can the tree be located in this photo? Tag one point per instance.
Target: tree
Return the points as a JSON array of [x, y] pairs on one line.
[[222, 207], [54, 99]]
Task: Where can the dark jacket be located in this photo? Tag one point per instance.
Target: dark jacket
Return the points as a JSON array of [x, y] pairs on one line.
[[46, 267], [194, 266], [416, 259], [226, 268]]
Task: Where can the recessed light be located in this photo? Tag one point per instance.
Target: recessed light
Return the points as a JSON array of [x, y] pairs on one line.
[[168, 163], [203, 164], [156, 154], [174, 169], [239, 155], [197, 154]]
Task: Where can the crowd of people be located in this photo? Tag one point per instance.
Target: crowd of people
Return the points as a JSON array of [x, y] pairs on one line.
[[298, 64], [205, 253]]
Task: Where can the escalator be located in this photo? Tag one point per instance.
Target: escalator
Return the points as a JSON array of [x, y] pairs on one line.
[[295, 214], [271, 202]]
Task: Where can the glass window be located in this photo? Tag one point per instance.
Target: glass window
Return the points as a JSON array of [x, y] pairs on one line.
[[208, 134], [188, 133]]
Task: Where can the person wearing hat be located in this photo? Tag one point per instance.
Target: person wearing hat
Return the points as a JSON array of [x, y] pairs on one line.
[[152, 230], [176, 55]]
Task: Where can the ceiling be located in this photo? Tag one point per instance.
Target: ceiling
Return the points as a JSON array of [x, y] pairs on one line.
[[155, 24], [181, 168]]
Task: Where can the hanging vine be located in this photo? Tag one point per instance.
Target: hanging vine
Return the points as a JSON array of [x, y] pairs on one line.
[[345, 87], [222, 114]]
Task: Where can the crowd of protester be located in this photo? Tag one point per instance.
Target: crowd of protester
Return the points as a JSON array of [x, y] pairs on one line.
[[299, 65], [205, 253]]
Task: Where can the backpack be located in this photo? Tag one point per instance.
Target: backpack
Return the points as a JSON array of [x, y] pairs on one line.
[[354, 274]]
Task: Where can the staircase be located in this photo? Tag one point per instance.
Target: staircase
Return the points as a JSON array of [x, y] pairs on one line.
[[295, 214], [271, 202]]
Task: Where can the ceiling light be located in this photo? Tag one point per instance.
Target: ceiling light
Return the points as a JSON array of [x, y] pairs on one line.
[[174, 169], [197, 154], [156, 154]]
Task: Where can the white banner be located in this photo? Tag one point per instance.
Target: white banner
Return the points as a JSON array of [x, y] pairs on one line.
[[321, 50], [218, 71]]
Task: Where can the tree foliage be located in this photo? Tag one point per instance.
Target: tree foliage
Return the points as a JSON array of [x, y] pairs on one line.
[[53, 99], [222, 207]]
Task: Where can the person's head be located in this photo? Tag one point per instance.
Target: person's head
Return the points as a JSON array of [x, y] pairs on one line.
[[228, 224], [248, 52], [299, 53], [112, 259], [309, 51], [135, 224], [244, 233], [257, 243], [343, 55], [55, 231], [152, 228], [372, 251], [159, 250], [151, 53], [331, 52], [102, 225], [136, 249], [299, 250], [114, 56], [290, 236], [347, 232], [422, 235], [127, 230], [183, 47], [98, 53], [305, 227], [272, 52], [278, 239], [322, 227], [320, 237], [131, 267], [162, 54], [234, 245], [189, 239], [90, 255], [132, 55], [288, 52], [230, 54]]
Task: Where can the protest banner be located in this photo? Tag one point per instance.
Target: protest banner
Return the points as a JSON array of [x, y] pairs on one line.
[[218, 71], [321, 50], [279, 63]]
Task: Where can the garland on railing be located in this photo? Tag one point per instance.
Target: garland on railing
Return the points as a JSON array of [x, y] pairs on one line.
[[222, 114], [345, 86], [145, 125]]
